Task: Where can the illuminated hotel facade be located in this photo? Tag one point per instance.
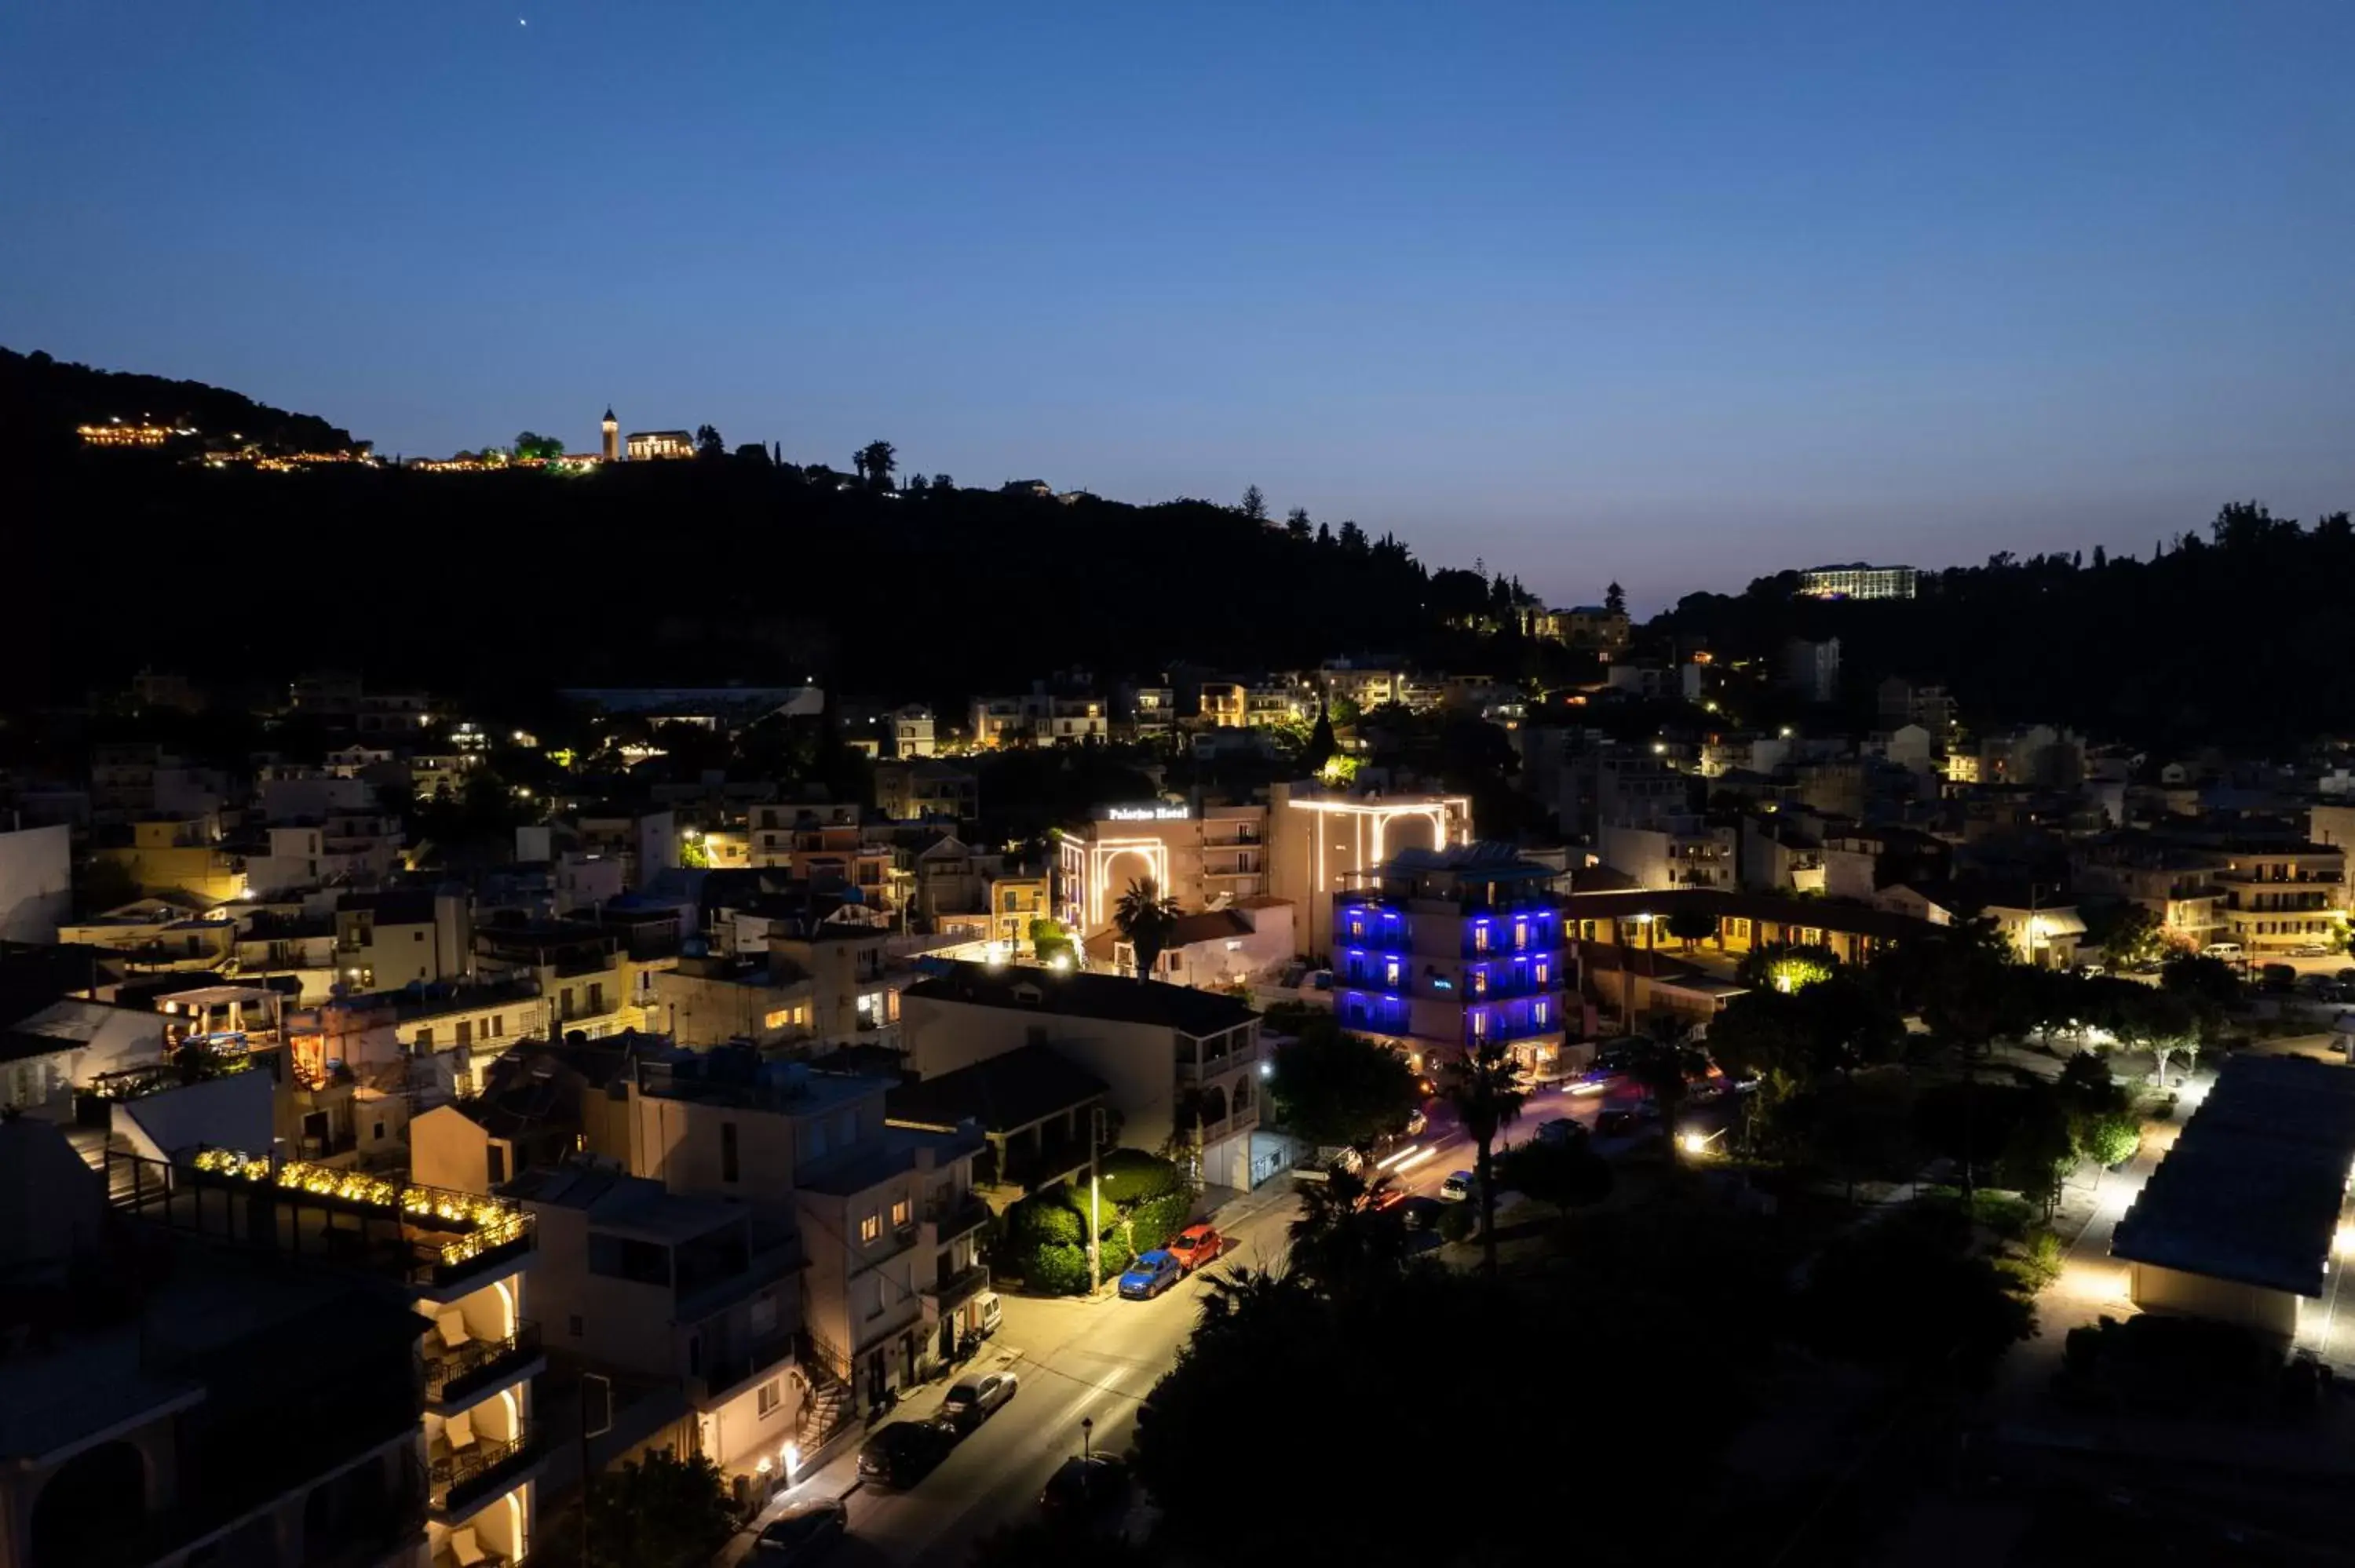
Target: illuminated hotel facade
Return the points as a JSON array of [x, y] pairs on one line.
[[1304, 846], [1442, 951], [1204, 858], [1325, 841]]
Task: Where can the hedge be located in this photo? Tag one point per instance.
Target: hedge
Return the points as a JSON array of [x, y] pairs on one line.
[[1131, 1176], [1042, 1220], [1056, 1270], [1151, 1222]]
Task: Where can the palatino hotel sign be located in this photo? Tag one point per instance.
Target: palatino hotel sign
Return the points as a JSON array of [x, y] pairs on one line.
[[1149, 812]]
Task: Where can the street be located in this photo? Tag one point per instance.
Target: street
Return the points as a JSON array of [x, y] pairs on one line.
[[1077, 1360], [1087, 1360]]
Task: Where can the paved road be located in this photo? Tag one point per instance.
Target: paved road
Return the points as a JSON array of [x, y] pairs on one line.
[[1077, 1360], [1086, 1360]]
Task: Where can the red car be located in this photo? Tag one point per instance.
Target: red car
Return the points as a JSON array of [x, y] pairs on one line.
[[1196, 1245]]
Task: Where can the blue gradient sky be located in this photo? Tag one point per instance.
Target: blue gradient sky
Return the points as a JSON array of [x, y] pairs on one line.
[[1675, 293]]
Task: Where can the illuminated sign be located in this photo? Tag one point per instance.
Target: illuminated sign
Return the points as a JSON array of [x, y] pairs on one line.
[[1154, 813]]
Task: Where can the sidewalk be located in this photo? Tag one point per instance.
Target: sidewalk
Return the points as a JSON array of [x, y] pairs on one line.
[[837, 1473]]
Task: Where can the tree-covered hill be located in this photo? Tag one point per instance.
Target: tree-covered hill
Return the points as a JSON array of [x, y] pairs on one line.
[[43, 400], [2237, 635]]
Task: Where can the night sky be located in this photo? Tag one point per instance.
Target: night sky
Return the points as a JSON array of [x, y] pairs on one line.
[[1676, 293]]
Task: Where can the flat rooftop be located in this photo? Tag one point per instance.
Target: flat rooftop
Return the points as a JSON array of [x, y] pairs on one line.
[[2251, 1190]]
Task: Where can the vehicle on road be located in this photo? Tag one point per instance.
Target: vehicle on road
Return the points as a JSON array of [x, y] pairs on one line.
[[1561, 1129], [1417, 1212], [804, 1533], [993, 1312], [2309, 950], [1459, 1185], [1615, 1123], [1196, 1245], [972, 1397], [1150, 1275], [2230, 951], [1086, 1489], [905, 1452]]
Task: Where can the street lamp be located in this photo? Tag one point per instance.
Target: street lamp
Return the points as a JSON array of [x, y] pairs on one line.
[[1087, 1438]]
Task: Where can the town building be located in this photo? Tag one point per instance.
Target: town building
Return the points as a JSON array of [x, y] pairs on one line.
[[1325, 841], [1204, 858], [455, 1268], [1181, 1066], [1444, 951], [914, 731], [926, 788], [36, 882], [1857, 580], [649, 446], [1216, 950], [202, 1406], [2243, 1221]]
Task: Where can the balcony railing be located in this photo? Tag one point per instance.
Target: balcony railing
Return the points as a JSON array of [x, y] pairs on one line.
[[452, 1375], [966, 1211], [946, 1291], [462, 1480]]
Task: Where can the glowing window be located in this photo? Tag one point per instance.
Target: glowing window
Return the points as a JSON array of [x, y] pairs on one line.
[[870, 1227]]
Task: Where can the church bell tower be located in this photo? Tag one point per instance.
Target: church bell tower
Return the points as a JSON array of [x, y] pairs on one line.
[[612, 427]]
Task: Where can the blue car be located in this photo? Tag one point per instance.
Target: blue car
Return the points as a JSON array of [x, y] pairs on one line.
[[1150, 1275]]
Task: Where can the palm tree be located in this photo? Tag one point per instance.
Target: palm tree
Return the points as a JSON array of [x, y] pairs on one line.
[[1662, 1066], [1482, 1083], [1345, 1238], [1146, 921]]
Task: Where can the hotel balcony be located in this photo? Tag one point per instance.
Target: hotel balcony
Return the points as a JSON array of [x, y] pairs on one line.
[[460, 1481], [455, 1379], [440, 1243]]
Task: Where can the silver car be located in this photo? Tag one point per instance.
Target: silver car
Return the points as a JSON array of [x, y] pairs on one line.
[[975, 1396]]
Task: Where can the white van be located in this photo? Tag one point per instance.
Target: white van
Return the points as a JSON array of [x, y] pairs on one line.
[[2228, 950], [991, 1311]]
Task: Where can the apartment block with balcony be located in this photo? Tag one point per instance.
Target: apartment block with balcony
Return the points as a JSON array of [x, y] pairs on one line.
[[1181, 1066], [2176, 882], [699, 1296], [589, 977], [892, 1225], [2277, 898], [811, 1149], [1674, 851], [456, 1262], [1444, 951], [203, 1407]]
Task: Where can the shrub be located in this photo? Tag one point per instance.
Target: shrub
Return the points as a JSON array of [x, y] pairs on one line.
[[1131, 1176], [2006, 1215], [2110, 1139], [1458, 1222], [1151, 1222], [1056, 1269], [1044, 1220], [2040, 1257]]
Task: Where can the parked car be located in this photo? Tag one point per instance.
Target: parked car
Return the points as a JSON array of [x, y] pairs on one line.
[[973, 1396], [1561, 1129], [804, 1533], [1089, 1488], [1615, 1124], [1150, 1275], [2277, 977], [1417, 1212], [1459, 1186], [905, 1452], [1416, 1122], [2227, 950], [993, 1312], [2309, 950], [1196, 1245]]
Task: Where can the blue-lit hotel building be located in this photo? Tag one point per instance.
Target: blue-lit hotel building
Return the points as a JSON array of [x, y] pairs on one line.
[[1440, 950]]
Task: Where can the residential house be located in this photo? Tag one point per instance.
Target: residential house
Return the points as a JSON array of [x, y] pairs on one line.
[[1181, 1066]]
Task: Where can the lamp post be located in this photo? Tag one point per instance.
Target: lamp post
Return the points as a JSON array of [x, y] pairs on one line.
[[1087, 1438], [1095, 1203]]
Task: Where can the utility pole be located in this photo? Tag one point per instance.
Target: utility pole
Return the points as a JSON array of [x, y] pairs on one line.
[[1095, 1203]]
